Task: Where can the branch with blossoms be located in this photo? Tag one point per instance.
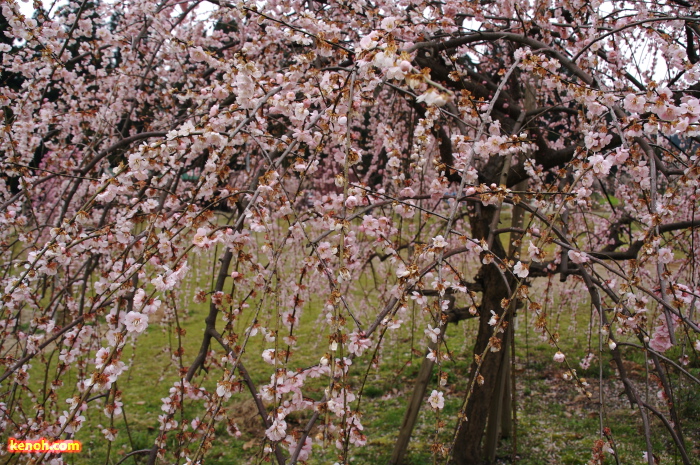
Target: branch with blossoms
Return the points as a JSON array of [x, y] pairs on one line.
[[349, 168]]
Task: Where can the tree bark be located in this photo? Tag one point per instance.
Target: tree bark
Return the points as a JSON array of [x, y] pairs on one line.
[[498, 407], [467, 447], [500, 417], [468, 441]]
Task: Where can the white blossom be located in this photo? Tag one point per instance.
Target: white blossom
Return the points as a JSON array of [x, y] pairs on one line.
[[521, 270], [436, 400]]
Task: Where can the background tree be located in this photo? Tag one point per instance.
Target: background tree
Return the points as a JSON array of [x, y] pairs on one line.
[[351, 143]]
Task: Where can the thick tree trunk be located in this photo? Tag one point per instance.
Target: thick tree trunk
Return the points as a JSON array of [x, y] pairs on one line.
[[468, 442], [498, 410], [500, 422], [467, 447]]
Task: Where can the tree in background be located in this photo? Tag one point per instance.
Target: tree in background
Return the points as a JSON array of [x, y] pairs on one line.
[[365, 154]]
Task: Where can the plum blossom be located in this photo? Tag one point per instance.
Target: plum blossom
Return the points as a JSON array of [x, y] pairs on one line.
[[389, 23], [534, 252], [578, 257], [521, 270], [634, 103], [402, 271], [110, 434], [661, 339], [223, 389], [351, 202], [325, 251], [136, 322], [439, 242], [305, 452], [197, 54], [71, 425], [436, 400], [269, 355], [419, 298], [369, 41], [395, 72], [585, 362], [384, 60], [601, 165], [494, 319], [596, 142], [665, 255], [432, 97], [277, 431], [358, 343], [432, 333], [394, 323], [619, 156], [101, 357]]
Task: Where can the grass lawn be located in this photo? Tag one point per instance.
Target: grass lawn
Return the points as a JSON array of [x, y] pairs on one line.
[[556, 423]]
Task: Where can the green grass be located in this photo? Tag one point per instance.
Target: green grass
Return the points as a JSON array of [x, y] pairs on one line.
[[556, 424]]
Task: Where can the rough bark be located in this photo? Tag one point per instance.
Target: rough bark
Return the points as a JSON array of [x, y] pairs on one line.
[[469, 436], [467, 447]]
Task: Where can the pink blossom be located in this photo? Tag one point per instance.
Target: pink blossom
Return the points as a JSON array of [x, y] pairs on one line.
[[351, 202], [136, 322], [223, 389], [269, 356], [71, 425], [436, 400], [402, 271], [101, 357], [691, 107], [358, 343], [665, 255], [201, 239], [635, 103], [534, 252], [586, 361], [493, 321], [439, 242], [369, 41], [578, 257], [277, 431], [389, 23], [661, 338], [601, 165]]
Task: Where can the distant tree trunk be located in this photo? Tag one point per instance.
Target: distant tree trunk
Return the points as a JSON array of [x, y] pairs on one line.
[[414, 404]]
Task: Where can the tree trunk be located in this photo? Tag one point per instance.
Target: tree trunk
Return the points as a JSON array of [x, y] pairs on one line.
[[414, 404], [498, 409], [500, 422], [467, 449]]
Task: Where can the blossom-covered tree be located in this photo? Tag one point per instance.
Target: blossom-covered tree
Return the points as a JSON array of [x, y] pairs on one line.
[[322, 145]]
